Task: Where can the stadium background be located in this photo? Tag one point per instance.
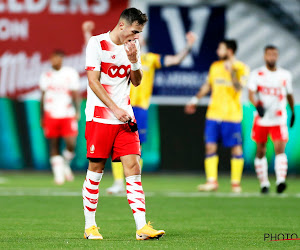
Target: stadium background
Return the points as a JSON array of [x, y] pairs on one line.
[[30, 30]]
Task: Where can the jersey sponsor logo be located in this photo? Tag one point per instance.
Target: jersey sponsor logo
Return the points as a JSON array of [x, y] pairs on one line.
[[113, 57], [113, 70], [269, 90]]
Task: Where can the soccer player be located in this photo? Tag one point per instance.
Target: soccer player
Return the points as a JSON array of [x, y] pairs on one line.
[[112, 63], [60, 110], [226, 79], [269, 88], [140, 96]]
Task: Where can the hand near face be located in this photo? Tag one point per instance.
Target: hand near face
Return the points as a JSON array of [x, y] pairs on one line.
[[131, 51]]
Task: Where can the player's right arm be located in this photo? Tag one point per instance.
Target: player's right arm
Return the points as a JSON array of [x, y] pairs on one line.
[[172, 60], [87, 28], [190, 107], [252, 87]]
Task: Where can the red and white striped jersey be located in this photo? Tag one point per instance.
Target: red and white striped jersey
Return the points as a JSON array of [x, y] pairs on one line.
[[272, 88], [58, 86], [112, 61]]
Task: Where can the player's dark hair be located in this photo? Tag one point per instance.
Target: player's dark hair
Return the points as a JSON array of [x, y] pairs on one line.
[[271, 47], [230, 44], [132, 14], [58, 52]]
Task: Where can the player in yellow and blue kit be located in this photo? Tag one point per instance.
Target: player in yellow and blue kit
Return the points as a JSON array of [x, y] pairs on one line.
[[226, 79], [141, 95]]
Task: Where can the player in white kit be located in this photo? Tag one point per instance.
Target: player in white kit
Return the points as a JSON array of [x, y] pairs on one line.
[[60, 110], [270, 87], [113, 63]]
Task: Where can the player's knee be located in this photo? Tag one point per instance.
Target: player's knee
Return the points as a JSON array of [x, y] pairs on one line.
[[210, 149], [96, 165]]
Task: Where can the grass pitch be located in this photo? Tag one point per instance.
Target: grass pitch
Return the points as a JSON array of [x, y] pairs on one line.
[[36, 214]]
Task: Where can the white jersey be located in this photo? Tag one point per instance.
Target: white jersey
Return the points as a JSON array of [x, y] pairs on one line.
[[57, 85], [112, 61], [272, 88]]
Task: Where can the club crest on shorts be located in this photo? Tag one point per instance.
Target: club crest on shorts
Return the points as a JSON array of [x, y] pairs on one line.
[[92, 149]]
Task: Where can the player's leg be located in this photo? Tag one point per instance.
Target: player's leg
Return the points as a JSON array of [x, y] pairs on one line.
[[237, 165], [281, 165], [136, 197], [261, 167], [99, 141], [90, 194], [211, 158], [69, 130], [141, 116], [69, 154], [260, 136], [232, 138], [56, 161]]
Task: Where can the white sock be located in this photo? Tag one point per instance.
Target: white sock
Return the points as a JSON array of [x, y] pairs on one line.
[[261, 169], [57, 165], [68, 156], [90, 194], [281, 167], [136, 199]]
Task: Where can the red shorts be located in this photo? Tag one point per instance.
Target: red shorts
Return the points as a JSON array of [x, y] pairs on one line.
[[277, 133], [116, 140], [60, 127]]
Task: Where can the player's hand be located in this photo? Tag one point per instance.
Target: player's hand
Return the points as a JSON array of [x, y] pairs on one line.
[[122, 115], [292, 120], [190, 109], [88, 26], [260, 109], [191, 38], [131, 51]]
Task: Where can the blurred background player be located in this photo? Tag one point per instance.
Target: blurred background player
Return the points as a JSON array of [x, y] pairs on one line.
[[226, 79], [141, 95], [269, 88], [60, 110]]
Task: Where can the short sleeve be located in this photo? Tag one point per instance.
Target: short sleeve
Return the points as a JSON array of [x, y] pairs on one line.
[[252, 82], [75, 82], [43, 82], [210, 75], [289, 87], [157, 61], [93, 55]]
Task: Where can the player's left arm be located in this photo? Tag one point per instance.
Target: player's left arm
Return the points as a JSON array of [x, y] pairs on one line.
[[172, 60], [290, 98], [133, 55], [239, 75]]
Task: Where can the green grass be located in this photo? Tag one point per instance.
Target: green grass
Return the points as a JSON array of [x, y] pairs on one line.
[[43, 216]]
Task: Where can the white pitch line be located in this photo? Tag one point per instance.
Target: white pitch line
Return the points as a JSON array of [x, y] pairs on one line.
[[51, 192]]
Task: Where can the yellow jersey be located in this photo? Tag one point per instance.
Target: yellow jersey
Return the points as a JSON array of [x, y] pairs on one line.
[[225, 103], [140, 96]]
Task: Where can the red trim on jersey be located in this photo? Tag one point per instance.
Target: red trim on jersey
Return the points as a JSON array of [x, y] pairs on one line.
[[102, 112], [278, 113], [261, 73], [106, 45], [128, 100], [284, 83], [89, 68], [105, 67], [108, 88]]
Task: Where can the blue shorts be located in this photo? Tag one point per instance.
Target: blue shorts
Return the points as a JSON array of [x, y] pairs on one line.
[[141, 116], [229, 133]]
